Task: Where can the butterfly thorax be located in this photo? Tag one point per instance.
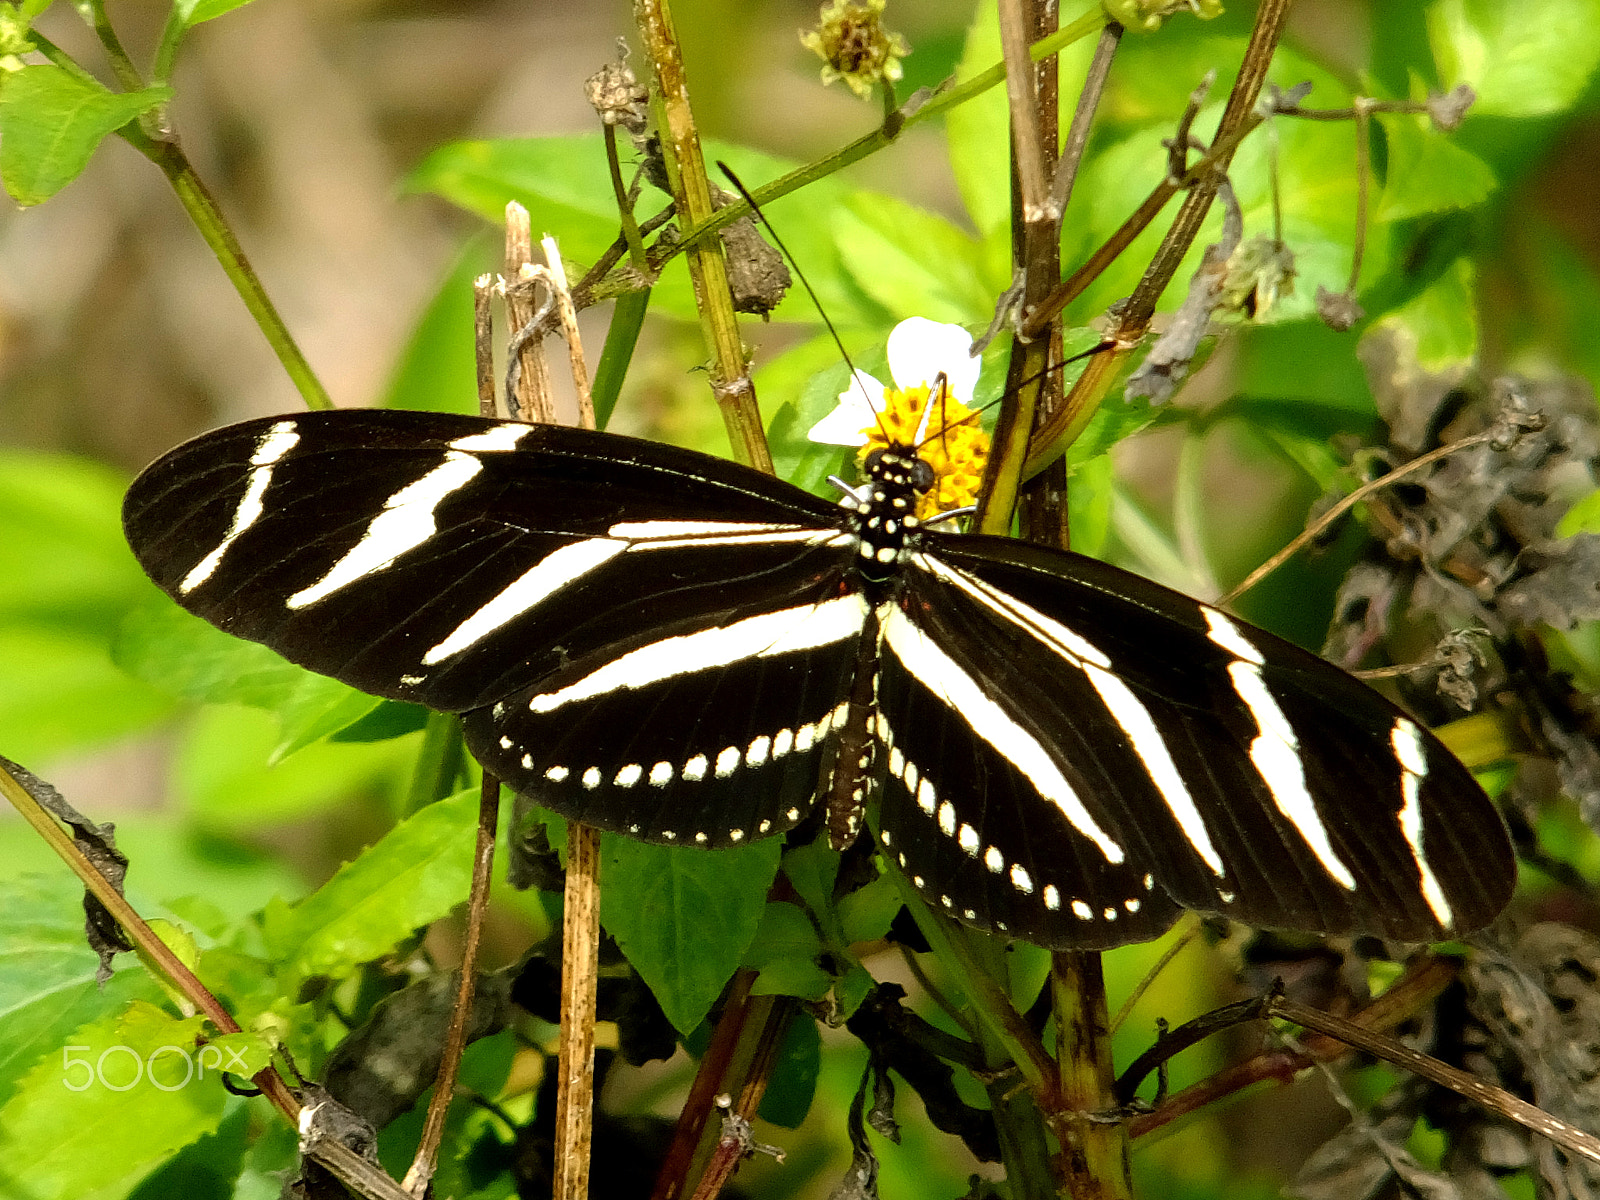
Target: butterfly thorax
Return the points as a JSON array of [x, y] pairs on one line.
[[884, 509]]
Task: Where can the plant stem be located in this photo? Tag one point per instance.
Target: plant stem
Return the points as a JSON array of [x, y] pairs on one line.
[[691, 193], [213, 226]]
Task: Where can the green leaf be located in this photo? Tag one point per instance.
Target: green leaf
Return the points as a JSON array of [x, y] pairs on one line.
[[1582, 517], [812, 869], [1315, 173], [47, 972], [1428, 172], [318, 708], [51, 120], [163, 645], [866, 913], [222, 773], [62, 558], [916, 263], [785, 951], [438, 369], [793, 1081], [979, 133], [192, 12], [566, 186], [1523, 60], [797, 977], [60, 692], [849, 992], [1441, 322], [125, 1092], [208, 1167], [684, 917], [416, 873]]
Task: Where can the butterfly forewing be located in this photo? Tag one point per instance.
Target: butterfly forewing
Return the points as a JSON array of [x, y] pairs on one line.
[[451, 560], [1245, 775]]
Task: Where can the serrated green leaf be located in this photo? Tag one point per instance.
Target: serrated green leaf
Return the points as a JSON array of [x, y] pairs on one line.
[[47, 973], [1523, 60], [51, 120], [242, 1054], [124, 1093], [412, 876], [684, 917], [1428, 172]]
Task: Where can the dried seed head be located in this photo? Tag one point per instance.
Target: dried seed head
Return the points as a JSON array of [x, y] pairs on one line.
[[617, 95]]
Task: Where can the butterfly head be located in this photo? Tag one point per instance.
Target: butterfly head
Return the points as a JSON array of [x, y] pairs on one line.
[[884, 508]]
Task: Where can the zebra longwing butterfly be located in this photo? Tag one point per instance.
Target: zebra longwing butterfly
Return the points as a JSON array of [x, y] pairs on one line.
[[669, 645]]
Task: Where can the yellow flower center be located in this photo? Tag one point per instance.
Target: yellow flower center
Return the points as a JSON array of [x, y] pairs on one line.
[[953, 444]]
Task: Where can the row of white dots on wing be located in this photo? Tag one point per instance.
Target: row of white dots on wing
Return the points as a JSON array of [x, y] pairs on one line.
[[966, 836], [759, 752]]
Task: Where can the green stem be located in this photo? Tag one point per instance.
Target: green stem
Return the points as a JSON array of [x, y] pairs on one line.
[[627, 318], [94, 12], [1000, 1020], [213, 226]]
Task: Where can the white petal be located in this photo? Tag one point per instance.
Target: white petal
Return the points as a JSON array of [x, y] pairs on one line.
[[857, 410], [919, 349]]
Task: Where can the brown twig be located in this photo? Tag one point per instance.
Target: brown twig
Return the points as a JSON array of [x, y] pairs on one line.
[[532, 401], [1316, 528], [580, 969]]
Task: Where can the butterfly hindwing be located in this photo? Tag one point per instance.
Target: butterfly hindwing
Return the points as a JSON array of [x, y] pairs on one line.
[[1248, 777], [710, 738]]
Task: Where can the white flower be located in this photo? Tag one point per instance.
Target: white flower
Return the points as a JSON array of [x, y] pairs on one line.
[[920, 351]]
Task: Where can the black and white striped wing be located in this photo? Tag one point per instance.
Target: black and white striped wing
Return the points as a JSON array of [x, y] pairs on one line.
[[709, 738], [1074, 754], [452, 561]]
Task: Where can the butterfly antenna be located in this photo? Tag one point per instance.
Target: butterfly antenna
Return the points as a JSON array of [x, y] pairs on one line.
[[755, 208], [1097, 348]]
